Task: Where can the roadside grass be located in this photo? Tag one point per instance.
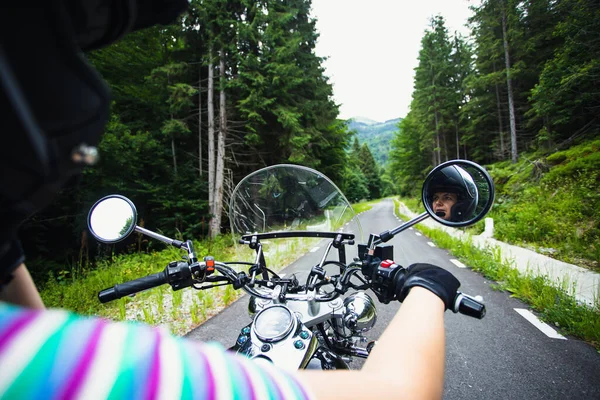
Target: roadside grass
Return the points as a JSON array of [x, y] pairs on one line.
[[159, 306], [364, 206], [413, 203], [553, 304]]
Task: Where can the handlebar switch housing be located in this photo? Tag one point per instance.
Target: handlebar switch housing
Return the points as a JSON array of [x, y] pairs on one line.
[[209, 262], [179, 275], [383, 280]]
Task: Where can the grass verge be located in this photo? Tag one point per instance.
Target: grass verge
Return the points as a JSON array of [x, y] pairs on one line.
[[552, 303], [364, 206], [178, 310]]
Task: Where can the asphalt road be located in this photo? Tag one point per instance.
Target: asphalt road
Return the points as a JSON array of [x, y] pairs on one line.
[[503, 356]]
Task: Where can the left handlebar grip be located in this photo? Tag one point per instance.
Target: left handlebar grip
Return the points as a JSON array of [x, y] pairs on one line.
[[132, 287]]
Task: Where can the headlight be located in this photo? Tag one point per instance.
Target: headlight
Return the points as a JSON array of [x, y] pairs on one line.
[[360, 313], [273, 323]]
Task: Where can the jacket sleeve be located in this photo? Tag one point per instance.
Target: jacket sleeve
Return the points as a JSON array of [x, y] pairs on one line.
[[56, 354], [11, 256]]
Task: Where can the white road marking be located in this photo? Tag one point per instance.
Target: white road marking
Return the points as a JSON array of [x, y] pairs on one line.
[[281, 275], [410, 229], [545, 328], [418, 234], [458, 263], [314, 249], [431, 244]]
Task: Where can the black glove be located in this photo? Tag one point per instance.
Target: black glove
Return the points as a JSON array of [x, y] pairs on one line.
[[432, 278]]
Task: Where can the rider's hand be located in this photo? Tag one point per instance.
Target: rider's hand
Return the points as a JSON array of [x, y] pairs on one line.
[[433, 278]]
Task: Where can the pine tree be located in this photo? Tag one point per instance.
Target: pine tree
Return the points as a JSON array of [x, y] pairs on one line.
[[567, 97], [461, 62], [409, 157], [433, 96], [370, 171]]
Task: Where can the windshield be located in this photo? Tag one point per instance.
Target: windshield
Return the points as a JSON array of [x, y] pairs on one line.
[[290, 198]]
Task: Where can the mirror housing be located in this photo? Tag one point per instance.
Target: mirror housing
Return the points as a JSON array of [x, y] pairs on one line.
[[458, 193], [112, 218]]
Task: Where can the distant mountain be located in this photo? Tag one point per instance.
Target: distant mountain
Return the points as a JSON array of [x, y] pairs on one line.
[[363, 120], [377, 135]]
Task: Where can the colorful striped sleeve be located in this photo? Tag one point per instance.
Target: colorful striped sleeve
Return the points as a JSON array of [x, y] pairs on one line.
[[58, 355]]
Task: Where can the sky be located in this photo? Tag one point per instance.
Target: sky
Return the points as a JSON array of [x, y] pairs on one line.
[[372, 48]]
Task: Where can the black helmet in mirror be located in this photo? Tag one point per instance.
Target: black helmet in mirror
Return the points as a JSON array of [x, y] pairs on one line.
[[458, 193], [112, 218]]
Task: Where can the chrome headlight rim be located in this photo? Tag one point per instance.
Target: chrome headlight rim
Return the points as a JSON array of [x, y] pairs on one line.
[[282, 333], [362, 307]]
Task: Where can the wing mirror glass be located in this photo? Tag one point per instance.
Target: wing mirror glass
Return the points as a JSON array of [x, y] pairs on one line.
[[458, 193], [112, 218]]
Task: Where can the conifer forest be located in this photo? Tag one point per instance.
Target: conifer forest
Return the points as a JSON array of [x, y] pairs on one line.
[[234, 86]]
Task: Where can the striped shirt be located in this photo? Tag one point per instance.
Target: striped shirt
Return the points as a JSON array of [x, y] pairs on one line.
[[58, 355]]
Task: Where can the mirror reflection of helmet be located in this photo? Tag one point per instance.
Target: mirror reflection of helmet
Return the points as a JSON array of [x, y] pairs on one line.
[[454, 179]]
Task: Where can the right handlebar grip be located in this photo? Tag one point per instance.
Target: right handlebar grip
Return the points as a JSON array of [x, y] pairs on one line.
[[469, 306], [132, 287]]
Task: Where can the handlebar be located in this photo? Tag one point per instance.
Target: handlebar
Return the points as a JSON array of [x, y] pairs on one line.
[[172, 276], [176, 273], [132, 287]]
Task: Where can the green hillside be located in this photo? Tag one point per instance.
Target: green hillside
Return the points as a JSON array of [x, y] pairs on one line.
[[377, 135], [550, 203]]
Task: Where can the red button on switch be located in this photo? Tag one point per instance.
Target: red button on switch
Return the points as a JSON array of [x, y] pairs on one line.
[[386, 263]]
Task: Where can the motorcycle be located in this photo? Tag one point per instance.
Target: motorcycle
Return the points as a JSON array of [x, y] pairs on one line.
[[317, 316]]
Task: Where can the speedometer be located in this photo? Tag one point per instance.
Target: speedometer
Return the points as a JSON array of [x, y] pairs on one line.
[[273, 323]]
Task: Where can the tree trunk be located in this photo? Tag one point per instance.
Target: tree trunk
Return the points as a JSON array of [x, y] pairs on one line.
[[172, 138], [437, 124], [220, 172], [500, 124], [439, 152], [445, 142], [511, 106], [211, 136], [174, 156], [457, 140], [200, 118]]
